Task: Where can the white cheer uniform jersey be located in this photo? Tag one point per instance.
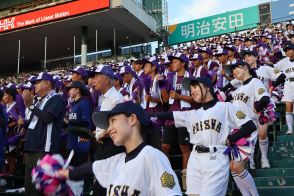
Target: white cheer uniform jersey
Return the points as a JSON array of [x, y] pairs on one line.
[[265, 73], [208, 173], [287, 67], [247, 94], [210, 127], [149, 173]]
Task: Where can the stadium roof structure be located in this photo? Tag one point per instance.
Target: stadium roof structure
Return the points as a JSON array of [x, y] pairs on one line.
[[131, 22]]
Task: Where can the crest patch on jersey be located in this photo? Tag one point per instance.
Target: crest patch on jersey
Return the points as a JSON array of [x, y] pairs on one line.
[[167, 180], [276, 70], [260, 91], [240, 115]]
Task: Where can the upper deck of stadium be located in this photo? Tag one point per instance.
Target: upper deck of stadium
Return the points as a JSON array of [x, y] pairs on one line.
[[62, 20]]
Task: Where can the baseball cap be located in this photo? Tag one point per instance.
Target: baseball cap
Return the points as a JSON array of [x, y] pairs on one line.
[[186, 83], [132, 59], [248, 39], [139, 61], [239, 63], [10, 86], [117, 76], [79, 85], [220, 51], [100, 119], [126, 69], [252, 52], [180, 56], [105, 70], [42, 76], [27, 86], [288, 45], [205, 49], [79, 70], [153, 61], [196, 57], [10, 89], [230, 47], [166, 62]]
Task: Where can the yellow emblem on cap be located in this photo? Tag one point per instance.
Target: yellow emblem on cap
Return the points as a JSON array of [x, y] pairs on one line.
[[240, 115], [260, 91], [167, 180], [276, 71]]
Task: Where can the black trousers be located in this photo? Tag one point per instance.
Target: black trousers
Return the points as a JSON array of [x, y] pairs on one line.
[[31, 159]]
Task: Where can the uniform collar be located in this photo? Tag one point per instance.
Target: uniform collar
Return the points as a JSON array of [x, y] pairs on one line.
[[108, 92], [133, 154], [77, 101], [209, 104], [247, 81]]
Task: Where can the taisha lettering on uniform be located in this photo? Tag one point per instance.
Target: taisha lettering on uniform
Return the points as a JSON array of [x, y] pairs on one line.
[[241, 97], [210, 124], [289, 70], [122, 190]]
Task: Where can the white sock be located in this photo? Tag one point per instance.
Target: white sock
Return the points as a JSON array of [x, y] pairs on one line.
[[242, 188], [263, 145], [247, 180], [289, 120]]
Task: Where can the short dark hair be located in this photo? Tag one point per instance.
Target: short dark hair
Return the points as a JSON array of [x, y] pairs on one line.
[[52, 84]]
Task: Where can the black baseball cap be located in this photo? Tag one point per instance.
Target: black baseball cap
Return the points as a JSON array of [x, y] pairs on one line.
[[186, 83], [288, 45], [100, 119], [76, 84], [251, 52], [239, 63]]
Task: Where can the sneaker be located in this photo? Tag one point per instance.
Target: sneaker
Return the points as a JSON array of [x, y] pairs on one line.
[[289, 132], [265, 163]]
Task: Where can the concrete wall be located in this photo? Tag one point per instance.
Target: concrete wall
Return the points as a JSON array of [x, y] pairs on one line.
[[134, 8]]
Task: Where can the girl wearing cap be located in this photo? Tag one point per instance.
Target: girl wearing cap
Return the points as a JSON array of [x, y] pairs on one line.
[[251, 97], [141, 170], [287, 67], [271, 78], [268, 76], [209, 127], [79, 115]]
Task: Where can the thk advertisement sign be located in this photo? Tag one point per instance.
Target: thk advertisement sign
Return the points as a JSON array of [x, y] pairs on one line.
[[51, 14]]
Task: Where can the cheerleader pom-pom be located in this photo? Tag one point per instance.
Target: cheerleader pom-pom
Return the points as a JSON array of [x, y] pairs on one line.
[[45, 178], [241, 149], [268, 114]]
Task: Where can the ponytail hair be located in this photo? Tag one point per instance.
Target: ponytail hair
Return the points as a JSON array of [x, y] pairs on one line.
[[252, 72]]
